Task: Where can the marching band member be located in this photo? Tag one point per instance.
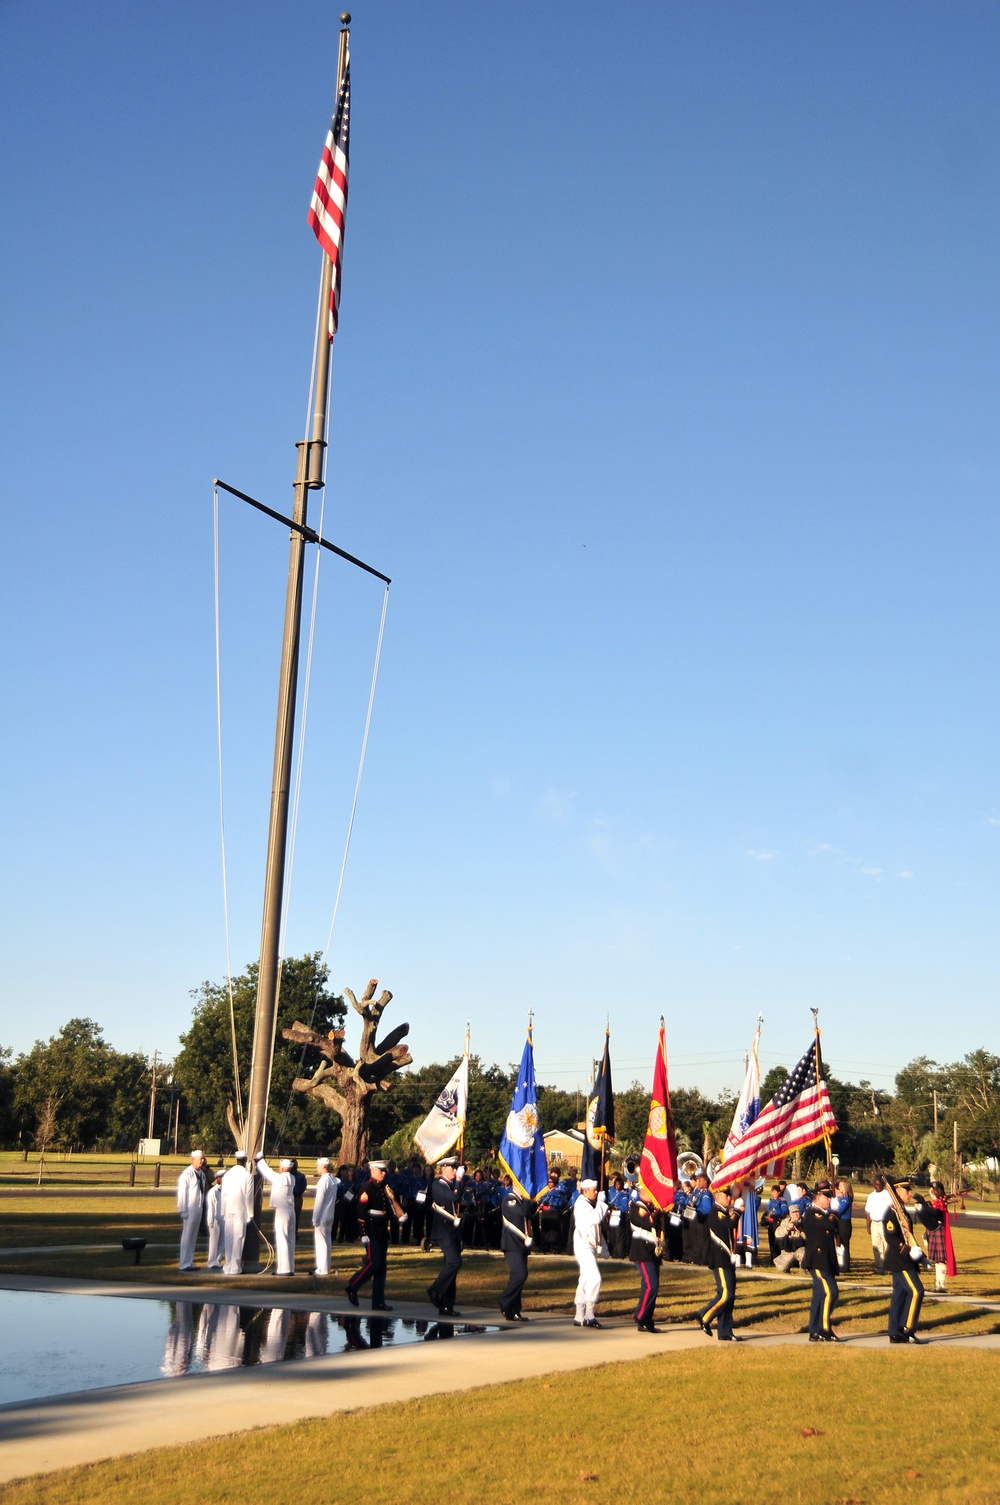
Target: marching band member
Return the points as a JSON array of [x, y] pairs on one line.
[[720, 1258], [822, 1234], [588, 1241], [281, 1200]]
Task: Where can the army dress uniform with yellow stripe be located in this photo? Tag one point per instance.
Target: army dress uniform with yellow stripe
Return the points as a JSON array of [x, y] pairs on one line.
[[821, 1229], [907, 1287], [720, 1257]]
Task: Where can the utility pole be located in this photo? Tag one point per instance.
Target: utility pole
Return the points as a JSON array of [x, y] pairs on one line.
[[935, 1111], [152, 1098], [308, 476]]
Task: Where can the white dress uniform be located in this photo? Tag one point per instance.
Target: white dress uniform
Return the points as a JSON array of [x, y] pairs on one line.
[[327, 1187], [587, 1243], [281, 1201], [190, 1199], [237, 1210], [216, 1226]]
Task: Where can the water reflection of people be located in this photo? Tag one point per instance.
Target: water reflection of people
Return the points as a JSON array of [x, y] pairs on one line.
[[352, 1333], [180, 1337], [317, 1334], [226, 1348], [207, 1323], [273, 1347]]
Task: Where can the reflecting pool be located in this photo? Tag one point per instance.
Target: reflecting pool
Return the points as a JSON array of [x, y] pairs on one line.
[[55, 1344]]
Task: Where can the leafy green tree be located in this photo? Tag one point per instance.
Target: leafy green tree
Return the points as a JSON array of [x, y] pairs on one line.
[[631, 1116], [102, 1092], [692, 1110], [8, 1077], [204, 1065], [975, 1084]]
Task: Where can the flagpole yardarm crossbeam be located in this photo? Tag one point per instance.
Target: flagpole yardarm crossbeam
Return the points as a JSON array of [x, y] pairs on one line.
[[309, 534]]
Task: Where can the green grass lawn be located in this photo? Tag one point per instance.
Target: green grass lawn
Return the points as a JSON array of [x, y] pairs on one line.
[[762, 1305], [716, 1427]]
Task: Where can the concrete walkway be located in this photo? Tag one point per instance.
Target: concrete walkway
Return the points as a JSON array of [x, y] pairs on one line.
[[38, 1436]]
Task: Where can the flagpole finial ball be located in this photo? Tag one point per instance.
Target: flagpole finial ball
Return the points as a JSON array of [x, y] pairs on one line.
[[345, 16]]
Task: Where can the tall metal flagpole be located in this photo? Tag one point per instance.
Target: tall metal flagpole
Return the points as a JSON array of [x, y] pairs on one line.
[[308, 476]]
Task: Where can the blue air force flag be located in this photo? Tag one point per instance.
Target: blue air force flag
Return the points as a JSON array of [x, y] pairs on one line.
[[522, 1149]]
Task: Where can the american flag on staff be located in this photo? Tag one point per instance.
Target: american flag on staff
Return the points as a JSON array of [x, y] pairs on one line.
[[798, 1114], [329, 200]]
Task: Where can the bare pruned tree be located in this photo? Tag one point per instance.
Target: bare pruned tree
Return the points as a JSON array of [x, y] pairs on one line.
[[346, 1085]]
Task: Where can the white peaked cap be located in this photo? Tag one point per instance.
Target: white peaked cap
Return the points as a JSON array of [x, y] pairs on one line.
[[588, 1185], [197, 1154], [323, 1160]]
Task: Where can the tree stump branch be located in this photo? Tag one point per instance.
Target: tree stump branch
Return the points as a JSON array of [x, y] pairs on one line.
[[345, 1084]]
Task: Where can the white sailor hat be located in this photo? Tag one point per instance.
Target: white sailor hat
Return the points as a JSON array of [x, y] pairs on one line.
[[323, 1160], [197, 1154], [285, 1164], [378, 1165], [240, 1155], [449, 1160], [588, 1185]]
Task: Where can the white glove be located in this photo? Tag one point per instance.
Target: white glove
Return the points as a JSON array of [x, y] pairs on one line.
[[916, 1253], [403, 1217], [365, 1239], [527, 1243]]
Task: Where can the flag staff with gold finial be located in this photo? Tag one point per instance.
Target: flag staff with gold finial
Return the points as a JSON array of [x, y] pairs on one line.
[[309, 476], [826, 1133]]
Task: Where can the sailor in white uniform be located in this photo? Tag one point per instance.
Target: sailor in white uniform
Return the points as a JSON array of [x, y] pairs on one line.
[[237, 1210], [216, 1223], [282, 1203], [192, 1184], [327, 1187], [588, 1241]]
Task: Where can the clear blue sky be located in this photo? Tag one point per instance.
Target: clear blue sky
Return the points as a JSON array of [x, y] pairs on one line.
[[666, 391]]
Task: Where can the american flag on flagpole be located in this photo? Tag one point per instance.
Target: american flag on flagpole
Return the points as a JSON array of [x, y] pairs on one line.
[[798, 1114], [329, 199]]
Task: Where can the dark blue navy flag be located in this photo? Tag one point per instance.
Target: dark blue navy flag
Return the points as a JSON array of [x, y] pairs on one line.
[[522, 1148], [599, 1130]]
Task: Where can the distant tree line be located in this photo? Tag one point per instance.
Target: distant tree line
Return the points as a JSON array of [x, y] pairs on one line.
[[77, 1092]]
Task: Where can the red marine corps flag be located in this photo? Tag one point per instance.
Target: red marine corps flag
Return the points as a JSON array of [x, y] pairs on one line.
[[798, 1114], [658, 1164], [329, 200]]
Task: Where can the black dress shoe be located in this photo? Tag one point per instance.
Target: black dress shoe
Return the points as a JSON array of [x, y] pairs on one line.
[[912, 1338], [732, 1339], [508, 1316], [832, 1338], [520, 1317], [431, 1296], [706, 1328], [449, 1311], [377, 1308], [352, 1296], [900, 1339], [592, 1322], [816, 1338]]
